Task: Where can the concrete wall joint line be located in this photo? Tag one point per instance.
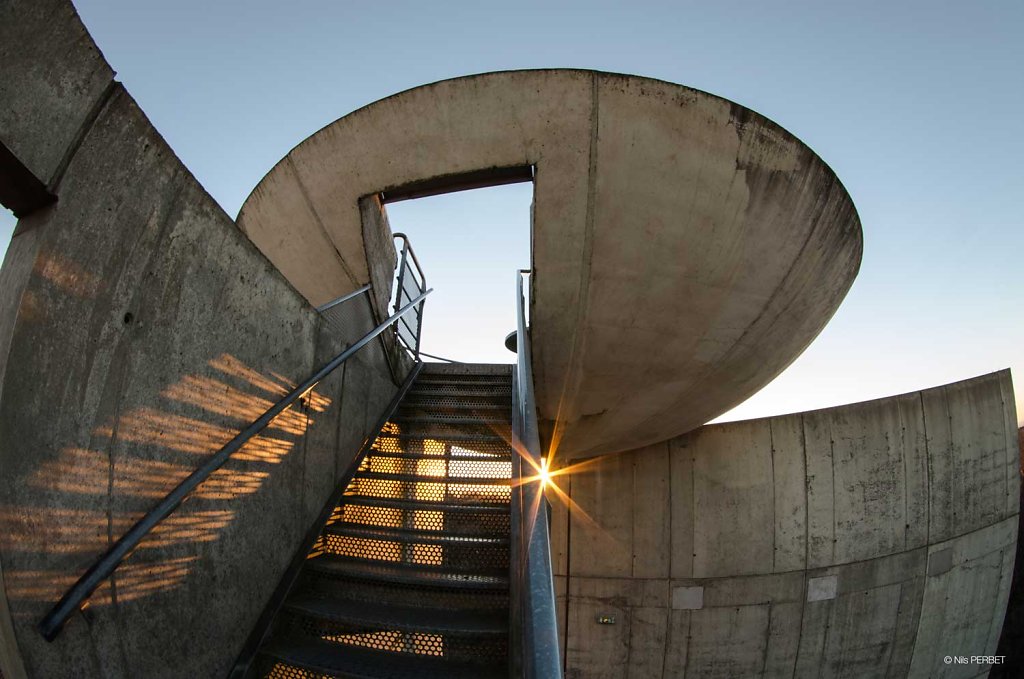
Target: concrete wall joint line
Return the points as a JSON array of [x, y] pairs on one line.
[[568, 571], [927, 472], [775, 536], [903, 456], [1013, 451], [316, 216], [803, 597], [112, 90], [895, 630], [571, 389]]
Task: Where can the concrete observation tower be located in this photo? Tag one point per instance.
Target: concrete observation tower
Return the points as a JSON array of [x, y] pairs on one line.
[[223, 455]]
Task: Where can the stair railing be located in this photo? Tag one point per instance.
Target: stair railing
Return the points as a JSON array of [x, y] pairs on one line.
[[291, 575], [411, 282], [534, 623], [53, 622]]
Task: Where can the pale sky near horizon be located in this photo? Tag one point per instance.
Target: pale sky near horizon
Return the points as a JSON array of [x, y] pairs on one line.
[[915, 105]]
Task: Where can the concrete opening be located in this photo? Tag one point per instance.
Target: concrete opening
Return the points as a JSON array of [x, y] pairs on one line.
[[470, 242], [7, 223]]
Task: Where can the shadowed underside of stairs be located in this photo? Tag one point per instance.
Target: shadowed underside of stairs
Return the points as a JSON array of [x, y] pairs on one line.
[[410, 576]]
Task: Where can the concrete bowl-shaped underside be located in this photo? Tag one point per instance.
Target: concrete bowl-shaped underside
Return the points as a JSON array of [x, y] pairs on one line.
[[685, 249]]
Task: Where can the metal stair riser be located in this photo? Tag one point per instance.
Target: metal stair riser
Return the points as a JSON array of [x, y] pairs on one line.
[[413, 534], [372, 664], [495, 446], [463, 399], [469, 523], [439, 467], [456, 557], [431, 491], [442, 429], [395, 594], [449, 646], [435, 378], [495, 403], [425, 576]]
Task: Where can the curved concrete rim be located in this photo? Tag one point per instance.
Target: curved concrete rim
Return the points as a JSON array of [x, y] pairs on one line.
[[567, 69], [685, 249]]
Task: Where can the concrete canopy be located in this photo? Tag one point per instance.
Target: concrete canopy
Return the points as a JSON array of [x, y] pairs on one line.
[[685, 249]]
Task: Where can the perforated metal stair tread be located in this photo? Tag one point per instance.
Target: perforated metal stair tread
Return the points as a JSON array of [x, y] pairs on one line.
[[467, 397], [405, 618], [465, 455], [457, 408], [491, 578], [425, 478], [453, 378], [449, 505], [425, 537], [451, 438], [361, 663], [482, 392], [452, 420]]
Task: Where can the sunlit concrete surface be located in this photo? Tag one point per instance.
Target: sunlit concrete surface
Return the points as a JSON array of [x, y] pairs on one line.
[[139, 331], [685, 249], [869, 540]]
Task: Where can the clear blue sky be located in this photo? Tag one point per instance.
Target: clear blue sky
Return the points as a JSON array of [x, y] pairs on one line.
[[917, 106]]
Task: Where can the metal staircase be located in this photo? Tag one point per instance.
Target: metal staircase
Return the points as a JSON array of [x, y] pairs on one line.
[[431, 558], [410, 575]]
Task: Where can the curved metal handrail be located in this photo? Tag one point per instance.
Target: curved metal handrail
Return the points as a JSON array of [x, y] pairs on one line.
[[407, 246], [52, 623], [534, 579]]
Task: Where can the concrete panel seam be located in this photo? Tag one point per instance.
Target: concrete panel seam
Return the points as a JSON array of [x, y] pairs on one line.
[[316, 216], [832, 459], [906, 474], [927, 470], [113, 88], [775, 537]]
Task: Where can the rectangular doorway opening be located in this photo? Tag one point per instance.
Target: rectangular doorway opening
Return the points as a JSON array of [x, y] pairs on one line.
[[470, 242]]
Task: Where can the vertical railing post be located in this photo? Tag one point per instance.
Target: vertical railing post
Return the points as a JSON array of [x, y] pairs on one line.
[[536, 595], [419, 330], [401, 275]]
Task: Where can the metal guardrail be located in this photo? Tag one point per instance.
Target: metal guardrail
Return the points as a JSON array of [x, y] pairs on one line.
[[52, 623], [534, 621], [411, 282]]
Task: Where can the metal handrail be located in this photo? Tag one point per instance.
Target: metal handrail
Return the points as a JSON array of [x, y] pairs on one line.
[[51, 625], [344, 298], [535, 605]]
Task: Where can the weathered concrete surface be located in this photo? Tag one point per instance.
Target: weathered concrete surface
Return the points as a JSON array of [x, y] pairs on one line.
[[381, 258], [52, 81], [868, 540], [1012, 638], [139, 331], [685, 249]]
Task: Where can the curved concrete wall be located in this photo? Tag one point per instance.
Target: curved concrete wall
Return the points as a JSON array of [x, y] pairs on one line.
[[869, 540], [685, 249], [139, 331]]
